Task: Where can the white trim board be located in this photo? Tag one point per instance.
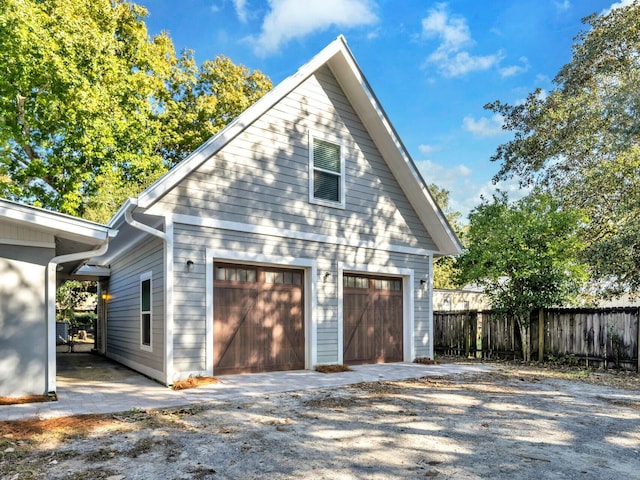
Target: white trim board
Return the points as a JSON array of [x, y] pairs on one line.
[[408, 318], [310, 296], [297, 235]]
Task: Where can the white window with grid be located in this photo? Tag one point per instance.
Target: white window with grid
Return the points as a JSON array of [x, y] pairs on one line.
[[326, 171]]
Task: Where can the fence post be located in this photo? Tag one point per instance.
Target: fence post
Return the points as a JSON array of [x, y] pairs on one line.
[[541, 334], [480, 320], [467, 331]]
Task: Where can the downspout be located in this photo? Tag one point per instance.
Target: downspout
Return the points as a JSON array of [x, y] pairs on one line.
[[139, 225], [51, 305], [168, 278]]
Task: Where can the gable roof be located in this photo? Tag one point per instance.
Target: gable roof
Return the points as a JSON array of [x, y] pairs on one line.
[[344, 67]]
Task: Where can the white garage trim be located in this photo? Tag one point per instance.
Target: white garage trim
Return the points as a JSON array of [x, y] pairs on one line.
[[310, 295], [407, 303]]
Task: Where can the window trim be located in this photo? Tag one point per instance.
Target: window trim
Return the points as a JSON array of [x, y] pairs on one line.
[[341, 184], [143, 278]]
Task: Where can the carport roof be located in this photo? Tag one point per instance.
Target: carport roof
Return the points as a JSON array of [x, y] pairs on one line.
[[71, 234]]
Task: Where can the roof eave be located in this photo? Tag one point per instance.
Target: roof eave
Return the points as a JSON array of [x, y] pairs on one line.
[[59, 224]]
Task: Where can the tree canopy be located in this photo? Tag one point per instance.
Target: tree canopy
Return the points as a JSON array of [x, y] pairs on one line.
[[524, 255], [444, 268], [93, 109], [582, 142]]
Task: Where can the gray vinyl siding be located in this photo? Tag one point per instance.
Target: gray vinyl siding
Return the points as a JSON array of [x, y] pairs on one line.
[[23, 328], [14, 233], [191, 242], [261, 177], [123, 308]]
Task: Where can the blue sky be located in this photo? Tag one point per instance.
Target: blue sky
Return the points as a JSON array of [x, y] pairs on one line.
[[432, 65]]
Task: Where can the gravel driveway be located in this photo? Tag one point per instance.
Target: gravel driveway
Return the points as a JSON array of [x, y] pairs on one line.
[[506, 424]]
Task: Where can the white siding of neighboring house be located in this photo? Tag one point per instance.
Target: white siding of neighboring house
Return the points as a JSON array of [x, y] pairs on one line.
[[123, 308], [24, 255], [261, 179]]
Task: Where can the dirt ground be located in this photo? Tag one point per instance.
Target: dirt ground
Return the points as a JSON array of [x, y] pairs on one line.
[[516, 422]]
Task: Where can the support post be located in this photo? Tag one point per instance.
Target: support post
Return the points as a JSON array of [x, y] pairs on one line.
[[467, 331], [541, 335], [479, 334]]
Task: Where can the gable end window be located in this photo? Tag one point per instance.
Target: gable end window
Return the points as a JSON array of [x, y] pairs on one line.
[[326, 172], [145, 311]]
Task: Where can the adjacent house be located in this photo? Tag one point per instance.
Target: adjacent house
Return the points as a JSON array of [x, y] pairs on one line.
[[38, 249], [301, 234]]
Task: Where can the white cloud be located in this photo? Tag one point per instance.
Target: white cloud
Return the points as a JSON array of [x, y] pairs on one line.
[[563, 6], [290, 19], [515, 69], [452, 31], [427, 149], [452, 57], [444, 176], [462, 63], [620, 4], [241, 9], [465, 193], [484, 127]]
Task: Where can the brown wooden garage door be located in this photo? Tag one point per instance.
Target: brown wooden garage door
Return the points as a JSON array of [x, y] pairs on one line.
[[258, 321], [372, 319]]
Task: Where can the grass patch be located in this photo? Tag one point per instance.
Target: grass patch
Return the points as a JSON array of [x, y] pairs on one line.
[[194, 382]]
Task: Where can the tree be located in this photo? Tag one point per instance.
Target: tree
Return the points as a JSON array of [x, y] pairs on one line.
[[581, 141], [524, 255], [69, 297], [444, 268], [93, 110]]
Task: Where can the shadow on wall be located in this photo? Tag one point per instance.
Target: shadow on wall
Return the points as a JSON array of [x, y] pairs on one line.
[[23, 332]]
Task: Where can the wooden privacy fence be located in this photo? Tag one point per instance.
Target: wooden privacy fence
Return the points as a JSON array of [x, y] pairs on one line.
[[594, 337]]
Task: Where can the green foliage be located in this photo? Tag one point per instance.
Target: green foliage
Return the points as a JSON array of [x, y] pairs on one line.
[[524, 255], [444, 268], [581, 141], [86, 318], [93, 110], [68, 297]]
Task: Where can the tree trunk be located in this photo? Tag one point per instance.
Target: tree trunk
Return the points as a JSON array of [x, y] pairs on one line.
[[525, 338]]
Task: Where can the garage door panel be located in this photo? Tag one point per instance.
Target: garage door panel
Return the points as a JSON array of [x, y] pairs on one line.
[[267, 313], [234, 337], [372, 320], [358, 327], [389, 321]]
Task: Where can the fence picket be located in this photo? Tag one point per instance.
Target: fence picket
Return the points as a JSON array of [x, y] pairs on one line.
[[592, 336]]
